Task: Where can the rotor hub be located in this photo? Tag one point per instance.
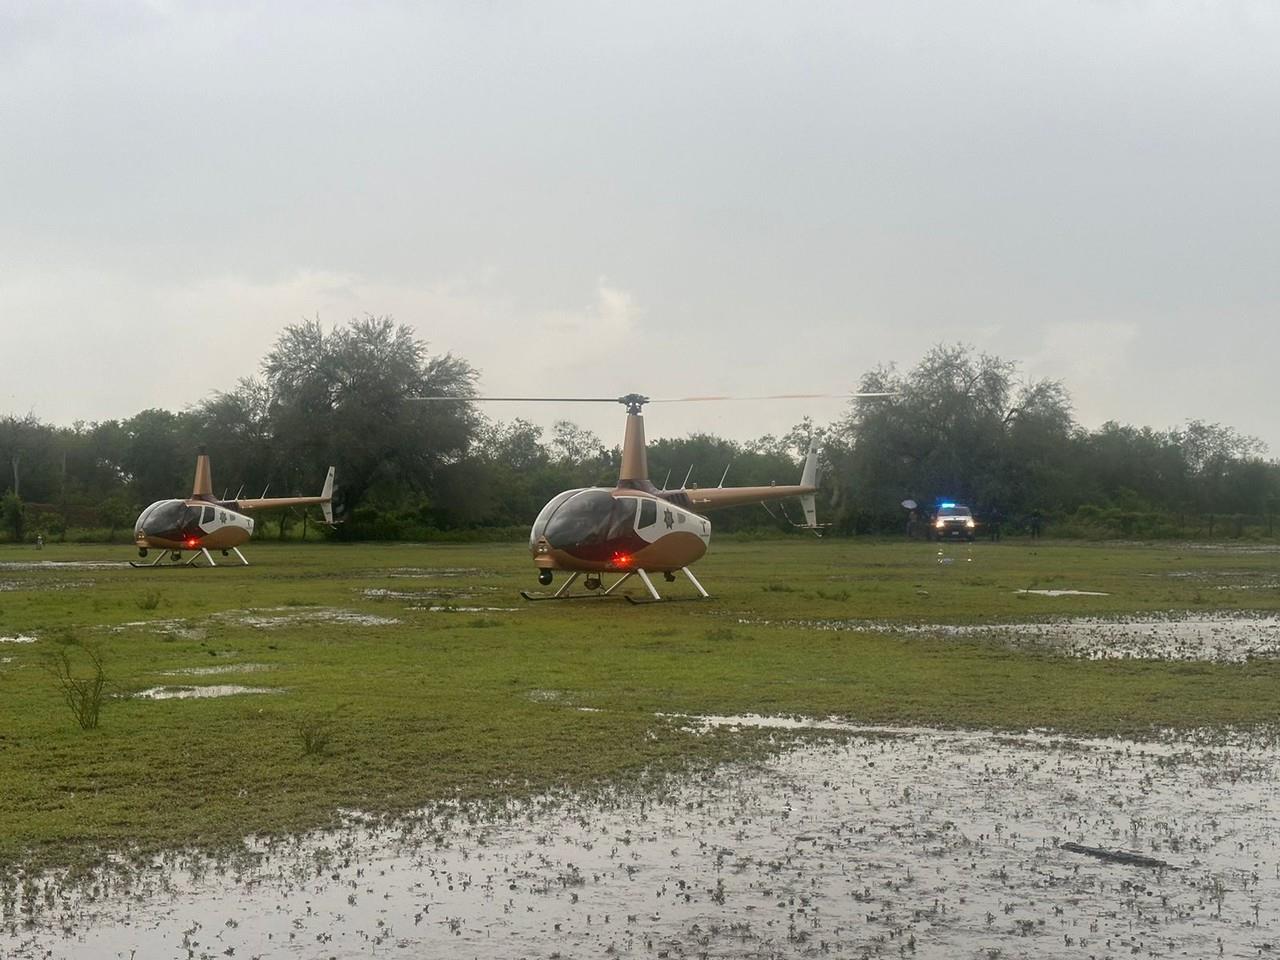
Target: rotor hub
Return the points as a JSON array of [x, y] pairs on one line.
[[633, 402]]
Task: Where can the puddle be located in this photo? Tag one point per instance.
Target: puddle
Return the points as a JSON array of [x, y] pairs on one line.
[[446, 608], [14, 585], [1243, 579], [215, 671], [1246, 548], [268, 618], [414, 573], [547, 696], [1065, 593], [200, 693], [6, 659], [18, 639], [444, 593], [180, 629], [880, 842], [1174, 636], [62, 564], [1209, 637]]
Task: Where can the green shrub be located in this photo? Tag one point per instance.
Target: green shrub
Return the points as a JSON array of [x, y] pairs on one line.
[[82, 694]]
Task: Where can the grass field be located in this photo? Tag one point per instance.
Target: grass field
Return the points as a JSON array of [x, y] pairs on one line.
[[381, 703]]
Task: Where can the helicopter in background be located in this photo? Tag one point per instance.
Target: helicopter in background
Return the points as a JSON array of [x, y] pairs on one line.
[[636, 529], [202, 522]]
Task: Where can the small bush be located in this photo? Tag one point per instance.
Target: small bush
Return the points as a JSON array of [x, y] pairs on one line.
[[838, 595], [315, 734], [149, 600], [83, 695]]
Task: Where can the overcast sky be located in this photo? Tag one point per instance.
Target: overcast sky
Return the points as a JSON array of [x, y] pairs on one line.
[[668, 197]]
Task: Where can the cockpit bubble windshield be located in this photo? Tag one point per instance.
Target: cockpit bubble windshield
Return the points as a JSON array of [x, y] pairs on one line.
[[170, 519], [540, 524], [590, 516]]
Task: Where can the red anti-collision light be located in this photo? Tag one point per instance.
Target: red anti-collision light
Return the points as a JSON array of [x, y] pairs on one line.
[[621, 560], [192, 542]]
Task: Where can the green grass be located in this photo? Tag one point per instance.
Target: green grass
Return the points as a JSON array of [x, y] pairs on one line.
[[485, 704]]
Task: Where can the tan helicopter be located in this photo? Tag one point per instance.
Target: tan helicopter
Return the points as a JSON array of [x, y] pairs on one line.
[[636, 529], [202, 522]]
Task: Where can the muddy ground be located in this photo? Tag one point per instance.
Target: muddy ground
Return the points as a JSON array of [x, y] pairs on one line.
[[855, 842]]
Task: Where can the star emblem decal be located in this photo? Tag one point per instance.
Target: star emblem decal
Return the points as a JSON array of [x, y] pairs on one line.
[[668, 519]]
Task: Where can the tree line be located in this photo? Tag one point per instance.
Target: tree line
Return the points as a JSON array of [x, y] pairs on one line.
[[962, 426]]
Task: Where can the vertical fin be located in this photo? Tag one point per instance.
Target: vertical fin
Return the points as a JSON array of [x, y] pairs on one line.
[[809, 475], [809, 478], [326, 497]]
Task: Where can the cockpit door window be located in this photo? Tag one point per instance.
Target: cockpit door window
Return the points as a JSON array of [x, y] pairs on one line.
[[648, 513]]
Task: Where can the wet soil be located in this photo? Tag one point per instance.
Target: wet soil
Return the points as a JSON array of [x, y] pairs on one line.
[[200, 692], [1066, 593], [63, 565], [8, 586], [1221, 637], [860, 843], [264, 618], [214, 671]]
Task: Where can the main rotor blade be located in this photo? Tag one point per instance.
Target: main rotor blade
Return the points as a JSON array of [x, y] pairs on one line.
[[525, 399], [777, 396], [639, 401]]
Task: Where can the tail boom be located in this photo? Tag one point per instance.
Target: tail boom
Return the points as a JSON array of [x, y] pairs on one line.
[[324, 501]]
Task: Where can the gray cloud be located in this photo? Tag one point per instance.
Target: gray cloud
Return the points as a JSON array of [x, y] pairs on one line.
[[675, 198]]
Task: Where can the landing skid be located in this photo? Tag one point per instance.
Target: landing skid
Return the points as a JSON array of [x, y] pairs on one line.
[[654, 597], [191, 562], [154, 563]]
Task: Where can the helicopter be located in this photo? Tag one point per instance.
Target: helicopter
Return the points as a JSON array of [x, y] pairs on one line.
[[636, 529], [202, 522]]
